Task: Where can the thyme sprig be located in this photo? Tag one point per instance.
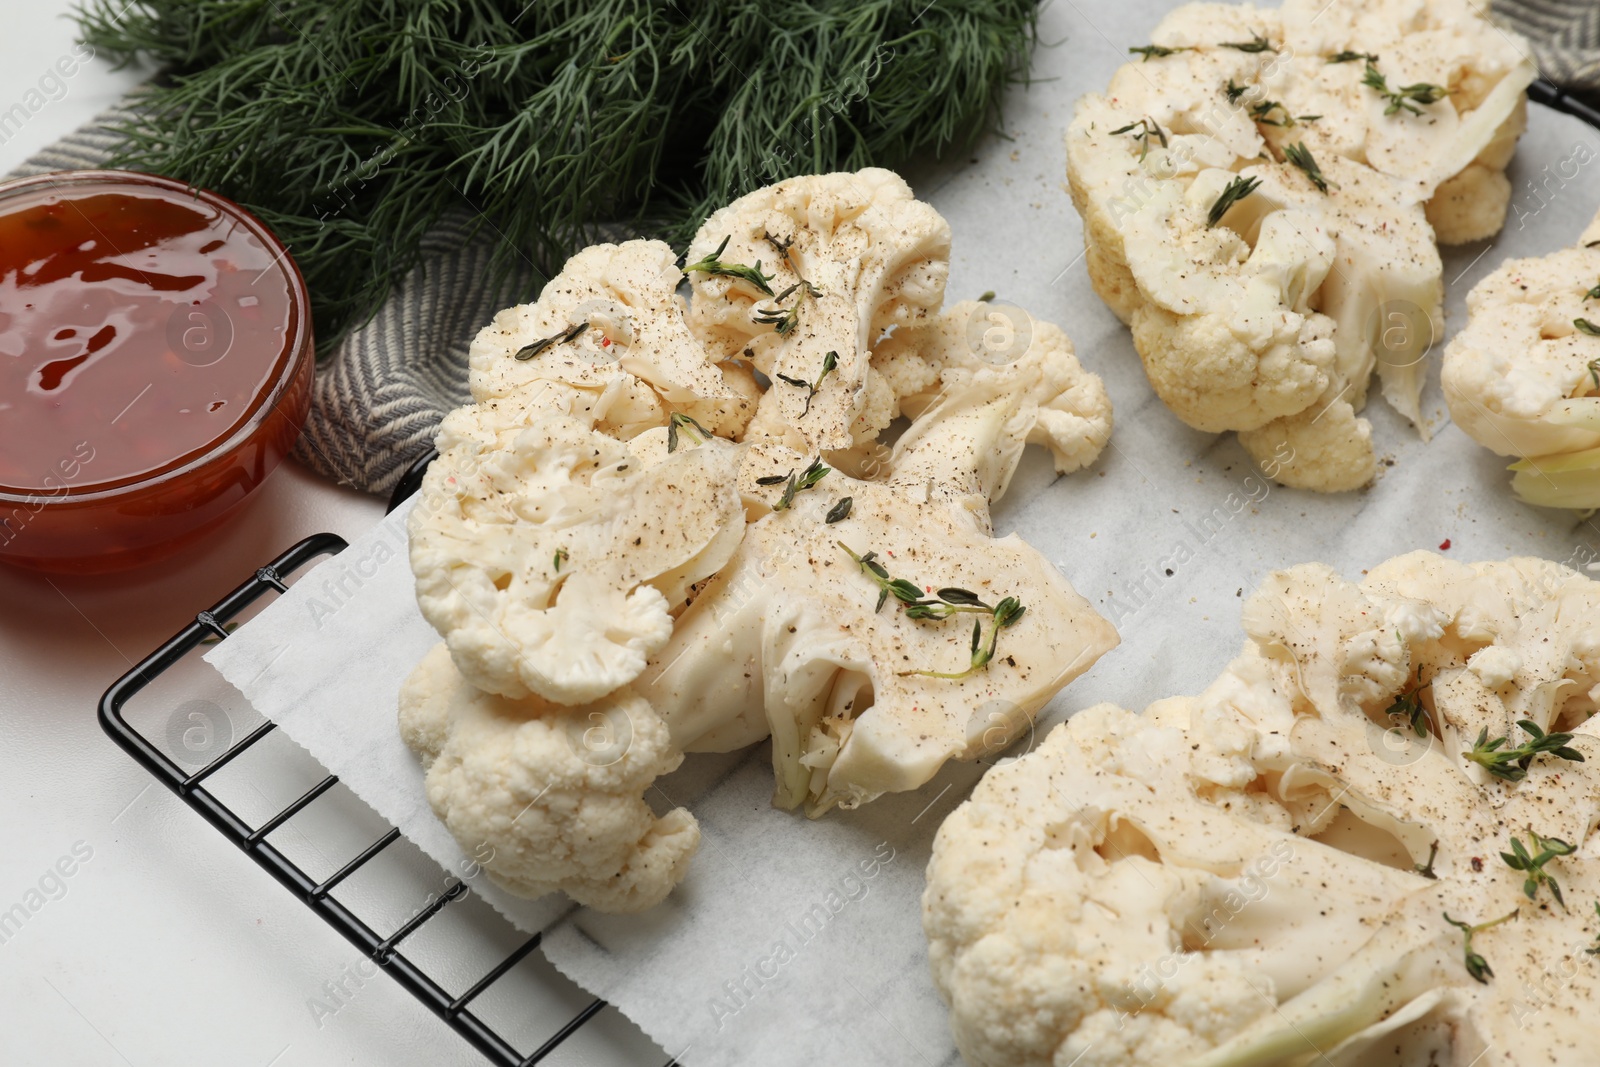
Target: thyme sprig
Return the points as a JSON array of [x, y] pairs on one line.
[[1148, 128], [1004, 614], [1426, 869], [713, 265], [946, 603], [1585, 326], [1532, 863], [1477, 966], [1593, 294], [527, 352], [1262, 113], [1237, 190], [1351, 57], [840, 511], [830, 363], [1407, 96], [1256, 44], [1511, 764], [782, 319], [687, 422], [1301, 156], [1234, 91], [1594, 371], [1157, 50], [795, 484]]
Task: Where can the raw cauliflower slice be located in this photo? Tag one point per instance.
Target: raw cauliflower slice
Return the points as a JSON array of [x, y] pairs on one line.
[[1266, 874], [551, 556], [847, 255], [555, 793], [1523, 377], [1386, 126]]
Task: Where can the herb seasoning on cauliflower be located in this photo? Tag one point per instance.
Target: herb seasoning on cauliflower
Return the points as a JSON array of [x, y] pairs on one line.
[[1523, 377], [1366, 844], [667, 526], [1262, 196]]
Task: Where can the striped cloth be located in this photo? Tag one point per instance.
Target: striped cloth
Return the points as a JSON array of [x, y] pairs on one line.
[[381, 394]]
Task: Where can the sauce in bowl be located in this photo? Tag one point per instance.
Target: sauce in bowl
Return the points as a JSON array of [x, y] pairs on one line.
[[155, 365]]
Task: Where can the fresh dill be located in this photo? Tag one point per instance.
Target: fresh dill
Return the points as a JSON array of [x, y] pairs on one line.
[[1532, 863], [1477, 966], [829, 363], [1511, 764], [527, 352], [1407, 96], [355, 128], [1301, 156], [1147, 128]]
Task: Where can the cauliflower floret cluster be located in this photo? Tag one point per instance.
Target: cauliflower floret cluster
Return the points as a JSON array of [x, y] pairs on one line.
[[1366, 844], [668, 525], [1523, 377], [1263, 194]]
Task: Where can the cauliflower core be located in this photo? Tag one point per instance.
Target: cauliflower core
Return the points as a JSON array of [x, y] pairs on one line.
[[1261, 875], [1523, 377], [643, 522], [1266, 223]]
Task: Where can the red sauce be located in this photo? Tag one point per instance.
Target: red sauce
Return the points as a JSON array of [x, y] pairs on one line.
[[145, 330]]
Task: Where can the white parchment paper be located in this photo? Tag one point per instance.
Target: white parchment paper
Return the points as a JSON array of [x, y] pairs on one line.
[[795, 942]]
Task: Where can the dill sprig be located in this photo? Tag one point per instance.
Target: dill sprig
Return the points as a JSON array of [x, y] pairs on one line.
[[353, 128], [1532, 863], [527, 352], [1477, 966], [1511, 764], [1147, 128], [1301, 156], [1407, 96], [829, 363], [1257, 43], [1237, 190]]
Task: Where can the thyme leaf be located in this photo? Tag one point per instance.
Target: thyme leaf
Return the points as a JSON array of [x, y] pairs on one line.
[[1257, 43], [687, 422], [1237, 190], [1409, 707], [561, 557], [1594, 371], [527, 352], [1301, 156], [840, 511], [713, 265], [1532, 863], [1585, 326], [1234, 91], [1351, 57], [1156, 50]]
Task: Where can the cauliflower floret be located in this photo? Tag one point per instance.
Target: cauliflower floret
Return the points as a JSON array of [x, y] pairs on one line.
[[1521, 378], [851, 254], [1101, 900], [1067, 408], [555, 793], [550, 557]]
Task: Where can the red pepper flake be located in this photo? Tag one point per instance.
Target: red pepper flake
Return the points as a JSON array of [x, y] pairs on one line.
[[605, 342], [1444, 546]]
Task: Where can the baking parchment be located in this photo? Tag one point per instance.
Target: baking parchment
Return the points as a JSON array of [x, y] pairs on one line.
[[795, 942]]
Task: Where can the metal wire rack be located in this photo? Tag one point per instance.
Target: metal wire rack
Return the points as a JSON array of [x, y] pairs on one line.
[[383, 950]]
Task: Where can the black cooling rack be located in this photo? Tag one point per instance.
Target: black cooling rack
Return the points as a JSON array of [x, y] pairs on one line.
[[383, 950]]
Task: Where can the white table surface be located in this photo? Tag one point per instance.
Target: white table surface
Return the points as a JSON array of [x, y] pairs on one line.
[[169, 946]]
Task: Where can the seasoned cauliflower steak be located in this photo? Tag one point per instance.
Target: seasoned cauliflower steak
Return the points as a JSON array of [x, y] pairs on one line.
[[1263, 194], [641, 530], [1523, 377], [1366, 844]]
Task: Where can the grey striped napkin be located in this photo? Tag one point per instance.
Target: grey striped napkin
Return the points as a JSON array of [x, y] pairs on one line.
[[381, 394]]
